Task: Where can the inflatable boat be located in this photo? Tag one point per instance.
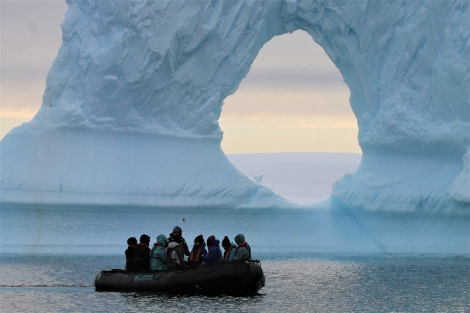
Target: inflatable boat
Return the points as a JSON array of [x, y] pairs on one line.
[[230, 278]]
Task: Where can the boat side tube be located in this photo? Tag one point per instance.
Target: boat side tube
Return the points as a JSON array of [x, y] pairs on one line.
[[232, 278]]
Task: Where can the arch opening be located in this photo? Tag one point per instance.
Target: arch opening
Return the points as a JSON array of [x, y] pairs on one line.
[[290, 124]]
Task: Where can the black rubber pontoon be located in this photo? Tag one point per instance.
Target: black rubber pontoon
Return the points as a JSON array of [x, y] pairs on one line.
[[231, 278]]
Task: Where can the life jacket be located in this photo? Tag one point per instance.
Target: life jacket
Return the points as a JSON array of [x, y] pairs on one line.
[[246, 245], [195, 256], [227, 252]]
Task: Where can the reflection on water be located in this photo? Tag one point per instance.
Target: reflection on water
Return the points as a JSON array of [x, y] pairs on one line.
[[303, 284]]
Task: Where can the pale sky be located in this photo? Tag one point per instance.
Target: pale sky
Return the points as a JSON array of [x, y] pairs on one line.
[[292, 100]]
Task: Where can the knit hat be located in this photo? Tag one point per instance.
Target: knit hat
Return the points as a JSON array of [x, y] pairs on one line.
[[177, 230], [239, 239], [132, 241], [145, 239], [199, 239], [226, 242]]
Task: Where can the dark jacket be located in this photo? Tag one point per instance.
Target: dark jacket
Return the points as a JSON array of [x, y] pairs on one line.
[[214, 254], [142, 257], [130, 257], [179, 239]]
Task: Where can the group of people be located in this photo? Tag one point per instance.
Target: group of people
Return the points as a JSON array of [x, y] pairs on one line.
[[169, 253]]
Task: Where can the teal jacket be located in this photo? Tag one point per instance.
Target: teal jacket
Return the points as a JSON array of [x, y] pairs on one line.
[[158, 254]]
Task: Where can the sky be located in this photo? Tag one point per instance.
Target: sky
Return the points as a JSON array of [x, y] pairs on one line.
[[292, 100]]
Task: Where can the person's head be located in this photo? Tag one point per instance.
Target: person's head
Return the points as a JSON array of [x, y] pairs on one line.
[[177, 231], [210, 239], [145, 239], [199, 240], [132, 241], [239, 239], [162, 240], [226, 242]]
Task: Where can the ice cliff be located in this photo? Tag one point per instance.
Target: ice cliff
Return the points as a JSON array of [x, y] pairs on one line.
[[130, 112]]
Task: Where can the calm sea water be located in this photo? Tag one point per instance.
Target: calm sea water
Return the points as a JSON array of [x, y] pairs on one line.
[[313, 283]]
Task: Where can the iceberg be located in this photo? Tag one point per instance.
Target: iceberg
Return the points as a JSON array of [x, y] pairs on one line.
[[131, 107]]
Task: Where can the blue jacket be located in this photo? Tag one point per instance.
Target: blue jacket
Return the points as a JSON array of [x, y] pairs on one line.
[[214, 254]]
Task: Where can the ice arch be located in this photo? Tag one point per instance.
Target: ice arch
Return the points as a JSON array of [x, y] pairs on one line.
[[132, 101]]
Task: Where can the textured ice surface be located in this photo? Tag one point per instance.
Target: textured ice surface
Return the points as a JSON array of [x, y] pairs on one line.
[[130, 112], [132, 77]]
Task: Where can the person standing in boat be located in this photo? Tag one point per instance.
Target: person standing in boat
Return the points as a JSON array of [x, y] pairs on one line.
[[142, 254], [243, 251], [177, 236], [174, 256], [131, 245], [198, 252], [214, 254], [158, 254], [229, 249]]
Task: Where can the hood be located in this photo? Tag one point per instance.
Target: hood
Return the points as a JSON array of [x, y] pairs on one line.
[[161, 239], [215, 243], [203, 245], [239, 239], [173, 244]]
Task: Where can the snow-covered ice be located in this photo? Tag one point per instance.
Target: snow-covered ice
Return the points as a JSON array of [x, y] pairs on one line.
[[130, 117]]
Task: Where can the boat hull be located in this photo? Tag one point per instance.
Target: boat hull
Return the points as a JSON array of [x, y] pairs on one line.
[[231, 278]]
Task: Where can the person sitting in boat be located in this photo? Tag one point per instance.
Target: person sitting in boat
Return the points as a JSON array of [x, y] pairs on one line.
[[158, 254], [198, 252], [229, 249], [131, 245], [177, 236], [209, 240], [214, 254], [142, 254], [174, 256], [243, 251]]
